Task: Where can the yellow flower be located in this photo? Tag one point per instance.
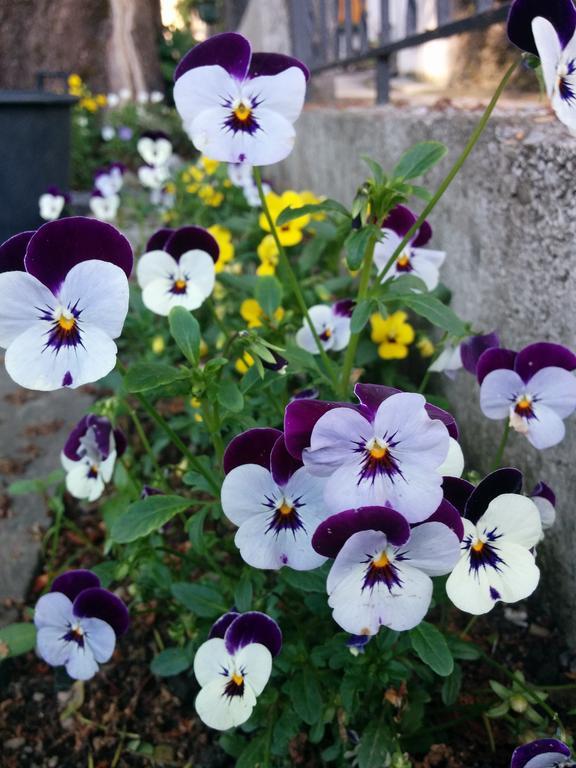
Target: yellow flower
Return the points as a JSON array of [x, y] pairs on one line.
[[244, 363], [196, 405], [268, 254], [219, 291], [74, 81], [204, 349], [223, 237], [393, 335], [158, 345], [209, 165], [89, 104], [266, 269], [425, 347], [227, 183], [186, 177], [254, 315], [101, 100], [210, 196], [309, 198], [196, 173], [170, 188], [192, 188], [290, 233]]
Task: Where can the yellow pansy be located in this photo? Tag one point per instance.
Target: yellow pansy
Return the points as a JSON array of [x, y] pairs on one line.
[[392, 334], [210, 196], [309, 198], [227, 183], [89, 104], [290, 233], [223, 237], [170, 188], [254, 315], [74, 81], [158, 345], [268, 254], [244, 363], [209, 165], [101, 100], [425, 347], [192, 188], [196, 405]]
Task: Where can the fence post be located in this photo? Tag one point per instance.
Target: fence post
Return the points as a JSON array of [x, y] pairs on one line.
[[383, 62]]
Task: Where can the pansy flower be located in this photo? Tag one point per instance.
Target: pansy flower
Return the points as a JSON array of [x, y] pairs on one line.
[[177, 269], [238, 106], [290, 233], [104, 207], [547, 29], [500, 529], [472, 349], [63, 301], [332, 324], [275, 502], [108, 181], [51, 203], [534, 388], [390, 451], [155, 148], [255, 316], [414, 259], [78, 623], [89, 456], [268, 254], [545, 499], [382, 566], [223, 237], [448, 362], [233, 667], [542, 753], [393, 334]]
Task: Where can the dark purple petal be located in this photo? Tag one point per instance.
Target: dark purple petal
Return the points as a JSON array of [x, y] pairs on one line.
[[120, 166], [149, 490], [191, 239], [544, 490], [533, 358], [266, 64], [300, 418], [399, 220], [371, 396], [306, 394], [155, 135], [457, 492], [344, 307], [439, 414], [13, 251], [474, 347], [358, 642], [251, 447], [57, 192], [560, 13], [96, 193], [528, 752], [72, 583], [159, 239], [333, 533], [98, 603], [59, 245], [279, 364], [282, 464], [449, 516], [102, 429], [493, 360], [120, 441], [228, 50], [507, 480], [423, 236], [253, 627], [220, 626]]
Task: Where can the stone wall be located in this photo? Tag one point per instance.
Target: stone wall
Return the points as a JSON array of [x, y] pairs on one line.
[[507, 224]]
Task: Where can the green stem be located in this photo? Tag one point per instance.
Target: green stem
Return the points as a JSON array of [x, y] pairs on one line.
[[350, 355], [478, 131], [294, 284], [144, 440], [497, 463], [469, 626]]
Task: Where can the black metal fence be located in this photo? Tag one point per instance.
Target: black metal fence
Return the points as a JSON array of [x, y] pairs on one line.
[[328, 34]]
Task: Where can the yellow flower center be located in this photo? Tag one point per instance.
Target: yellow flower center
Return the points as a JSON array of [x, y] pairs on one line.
[[67, 323], [238, 679], [242, 112], [523, 404], [378, 451], [285, 509], [381, 561], [180, 285], [478, 546], [404, 260]]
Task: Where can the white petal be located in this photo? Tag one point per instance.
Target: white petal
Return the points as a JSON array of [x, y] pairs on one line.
[[212, 661], [219, 711], [341, 333], [556, 389], [545, 429], [515, 517], [432, 548], [23, 298], [81, 664], [82, 485], [283, 93], [384, 249], [245, 492], [53, 610], [51, 647], [100, 637], [450, 359], [498, 391], [262, 547], [107, 466], [198, 268], [155, 265], [158, 297], [547, 511], [254, 662], [469, 590], [549, 50], [201, 89], [453, 465], [426, 265]]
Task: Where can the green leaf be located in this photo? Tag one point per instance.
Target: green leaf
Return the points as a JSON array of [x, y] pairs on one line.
[[499, 710], [144, 376], [305, 581], [306, 697], [254, 755], [147, 515], [419, 159], [461, 649], [230, 396], [428, 306], [185, 331], [430, 645], [201, 599], [331, 206], [285, 728], [16, 639], [422, 193], [170, 662], [37, 485], [196, 480], [361, 315], [356, 245], [373, 751], [376, 168], [269, 295], [243, 593], [451, 686], [195, 529]]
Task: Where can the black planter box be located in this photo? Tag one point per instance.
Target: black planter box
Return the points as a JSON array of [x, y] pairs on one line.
[[35, 154]]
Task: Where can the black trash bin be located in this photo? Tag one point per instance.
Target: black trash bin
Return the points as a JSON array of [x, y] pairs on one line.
[[35, 154]]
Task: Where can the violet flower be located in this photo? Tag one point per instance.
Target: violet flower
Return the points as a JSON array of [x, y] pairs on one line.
[[543, 753], [332, 324]]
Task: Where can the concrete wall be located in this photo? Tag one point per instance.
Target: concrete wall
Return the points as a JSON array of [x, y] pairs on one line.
[[507, 224]]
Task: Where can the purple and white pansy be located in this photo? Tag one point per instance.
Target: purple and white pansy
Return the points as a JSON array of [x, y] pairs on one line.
[[548, 30], [63, 301], [332, 324], [155, 148], [542, 753], [237, 106], [381, 575], [233, 667], [109, 181], [89, 456], [472, 349], [545, 499], [274, 500], [177, 269], [78, 623], [390, 451], [51, 203], [153, 178], [104, 207], [501, 527], [414, 259], [448, 362], [534, 388]]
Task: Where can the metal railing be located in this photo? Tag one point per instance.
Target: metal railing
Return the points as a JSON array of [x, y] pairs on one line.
[[329, 34]]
